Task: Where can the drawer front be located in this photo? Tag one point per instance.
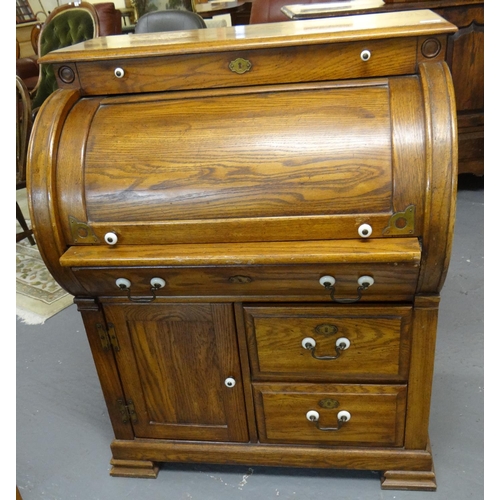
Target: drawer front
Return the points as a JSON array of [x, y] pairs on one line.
[[247, 67], [375, 414], [391, 282], [362, 343]]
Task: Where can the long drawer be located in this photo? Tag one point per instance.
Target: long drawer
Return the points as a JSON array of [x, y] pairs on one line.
[[368, 415], [246, 67], [341, 343], [391, 282]]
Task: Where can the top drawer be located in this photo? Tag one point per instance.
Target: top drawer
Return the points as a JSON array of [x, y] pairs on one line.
[[312, 50], [244, 67]]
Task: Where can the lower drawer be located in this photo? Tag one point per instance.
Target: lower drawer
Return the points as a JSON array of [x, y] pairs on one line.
[[375, 414]]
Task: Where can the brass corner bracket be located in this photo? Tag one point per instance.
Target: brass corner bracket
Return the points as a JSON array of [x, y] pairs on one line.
[[401, 222]]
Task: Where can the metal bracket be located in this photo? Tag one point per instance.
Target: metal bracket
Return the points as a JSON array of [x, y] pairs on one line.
[[108, 337], [127, 411], [401, 222], [81, 232]]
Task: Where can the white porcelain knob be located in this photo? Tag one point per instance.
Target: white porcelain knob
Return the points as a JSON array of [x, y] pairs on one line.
[[119, 72], [157, 283], [327, 281], [111, 238], [344, 415], [312, 415], [366, 281], [308, 342], [123, 283], [365, 55], [230, 382], [365, 230], [345, 341]]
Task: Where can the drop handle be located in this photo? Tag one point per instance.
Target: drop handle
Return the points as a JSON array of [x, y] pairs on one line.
[[343, 416], [363, 283], [125, 285], [341, 345]]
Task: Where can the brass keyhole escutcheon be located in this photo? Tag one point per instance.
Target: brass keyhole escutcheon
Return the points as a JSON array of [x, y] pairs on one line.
[[240, 65], [326, 329], [328, 403]]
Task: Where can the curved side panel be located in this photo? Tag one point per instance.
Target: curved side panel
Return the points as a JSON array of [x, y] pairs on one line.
[[441, 173], [408, 154], [70, 172], [41, 185]]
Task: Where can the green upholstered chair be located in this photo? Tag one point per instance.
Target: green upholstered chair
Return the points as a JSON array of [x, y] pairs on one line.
[[66, 25]]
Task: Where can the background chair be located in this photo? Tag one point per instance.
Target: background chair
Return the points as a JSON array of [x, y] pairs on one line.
[[110, 23], [23, 130], [169, 20], [27, 68], [66, 25]]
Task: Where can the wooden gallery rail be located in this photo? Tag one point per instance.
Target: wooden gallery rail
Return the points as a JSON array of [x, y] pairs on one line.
[[256, 223]]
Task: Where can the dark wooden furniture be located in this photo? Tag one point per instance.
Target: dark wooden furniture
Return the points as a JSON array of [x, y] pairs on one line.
[[239, 10], [465, 55], [256, 249], [23, 130]]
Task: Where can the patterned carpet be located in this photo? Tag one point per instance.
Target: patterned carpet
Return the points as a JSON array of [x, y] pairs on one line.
[[38, 296]]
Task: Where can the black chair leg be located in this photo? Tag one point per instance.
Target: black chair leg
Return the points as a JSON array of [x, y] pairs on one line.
[[27, 232]]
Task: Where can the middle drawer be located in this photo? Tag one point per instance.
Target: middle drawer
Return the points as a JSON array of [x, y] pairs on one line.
[[345, 343], [390, 282]]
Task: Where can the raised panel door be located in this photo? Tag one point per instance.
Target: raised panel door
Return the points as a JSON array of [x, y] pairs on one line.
[[173, 360]]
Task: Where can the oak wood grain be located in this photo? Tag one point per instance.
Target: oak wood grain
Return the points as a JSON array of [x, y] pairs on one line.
[[372, 27], [378, 350], [173, 360], [377, 413], [401, 250], [241, 191], [392, 281], [274, 455]]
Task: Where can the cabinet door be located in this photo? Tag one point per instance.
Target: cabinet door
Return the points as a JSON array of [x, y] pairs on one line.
[[174, 360]]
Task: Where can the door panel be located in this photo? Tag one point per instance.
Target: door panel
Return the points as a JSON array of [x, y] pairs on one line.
[[174, 359]]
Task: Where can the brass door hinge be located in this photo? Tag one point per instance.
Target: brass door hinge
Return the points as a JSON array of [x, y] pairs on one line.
[[108, 337], [127, 411]]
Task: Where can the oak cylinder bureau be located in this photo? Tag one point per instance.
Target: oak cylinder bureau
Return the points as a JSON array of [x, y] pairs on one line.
[[256, 223]]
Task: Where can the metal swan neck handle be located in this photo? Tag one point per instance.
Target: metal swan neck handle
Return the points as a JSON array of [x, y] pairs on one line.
[[363, 283], [340, 345], [125, 285], [342, 417]]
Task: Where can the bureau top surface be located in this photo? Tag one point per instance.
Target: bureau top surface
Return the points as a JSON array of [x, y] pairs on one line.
[[271, 35]]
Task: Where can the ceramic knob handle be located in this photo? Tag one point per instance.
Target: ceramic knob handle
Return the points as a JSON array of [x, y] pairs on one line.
[[157, 283], [365, 230], [119, 72], [344, 416], [308, 343], [312, 415], [327, 281], [366, 281], [343, 343], [230, 382], [111, 238], [123, 283], [365, 55]]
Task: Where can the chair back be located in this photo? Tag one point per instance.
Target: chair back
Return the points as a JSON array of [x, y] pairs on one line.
[[169, 20], [66, 25], [23, 130]]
